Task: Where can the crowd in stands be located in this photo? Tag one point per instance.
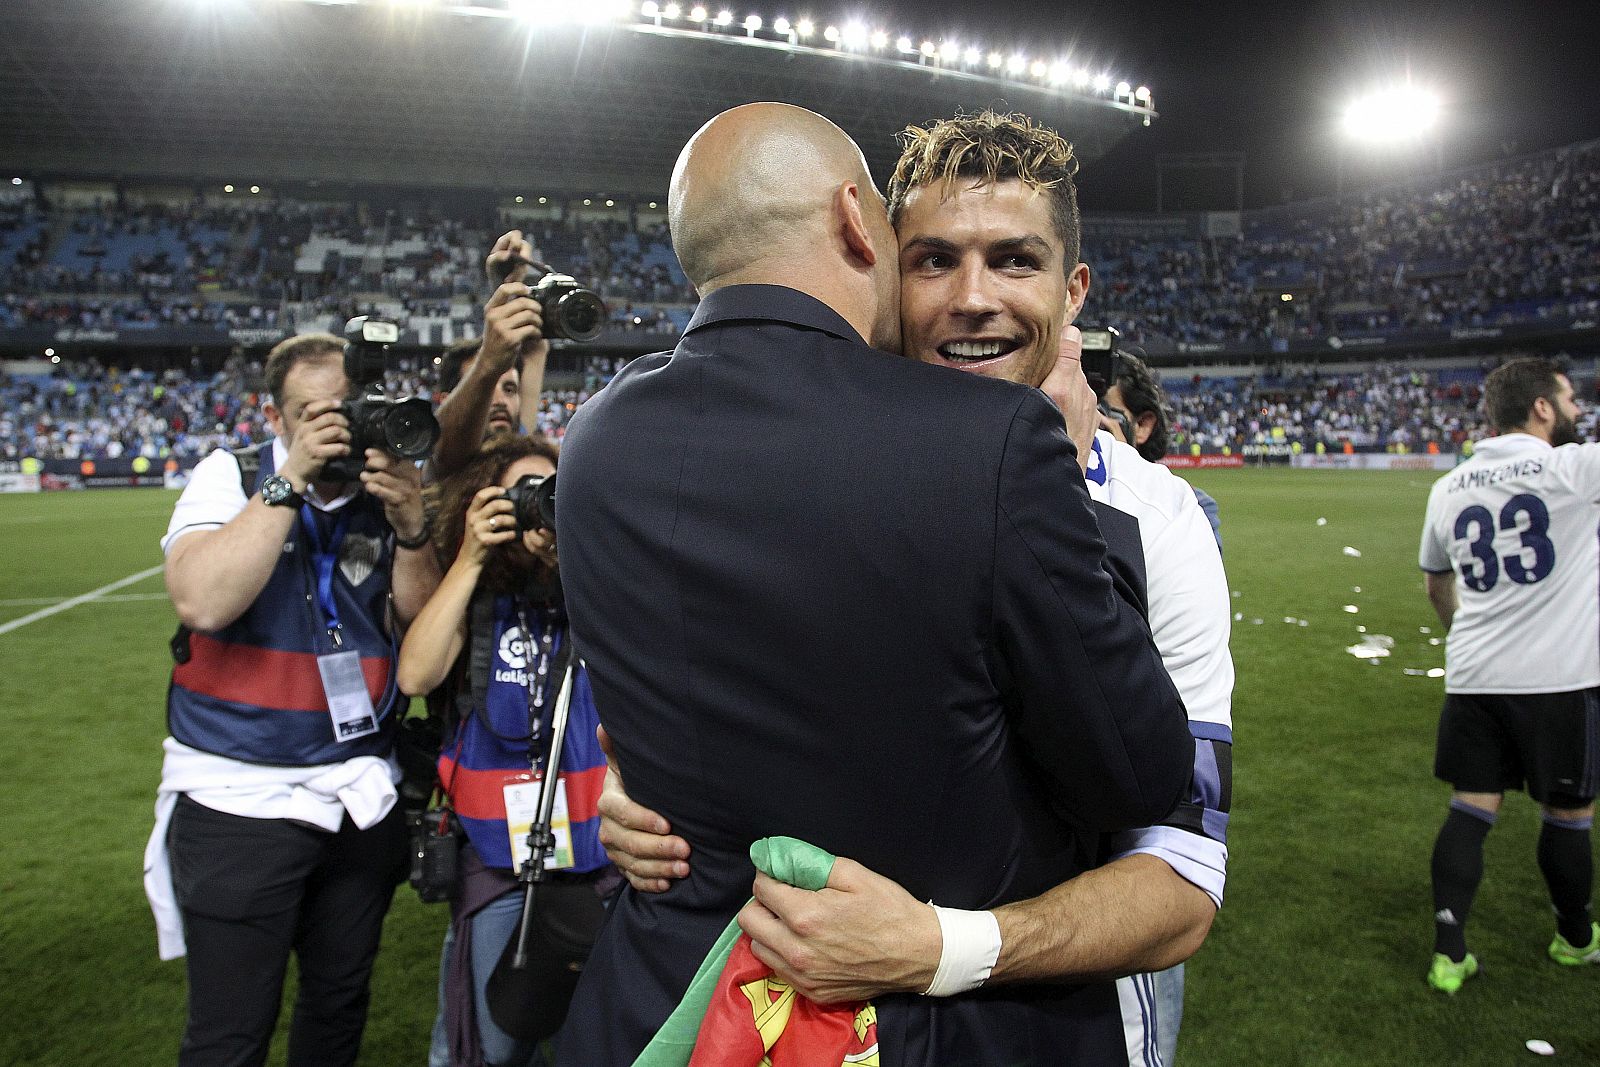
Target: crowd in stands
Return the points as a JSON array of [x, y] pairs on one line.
[[82, 410], [85, 411], [1388, 407], [1507, 243]]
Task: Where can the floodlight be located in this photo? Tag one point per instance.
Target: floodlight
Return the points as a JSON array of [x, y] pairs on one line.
[[930, 49], [1017, 64], [854, 35], [1080, 77], [724, 18], [996, 60], [227, 188], [55, 359], [949, 51], [49, 351], [587, 202], [806, 28], [1102, 83], [16, 181], [649, 9], [1142, 94], [1059, 73], [672, 11], [752, 23], [972, 56], [1395, 114], [698, 13], [519, 199], [611, 203], [1039, 69], [1123, 88], [781, 26], [880, 39], [1286, 297], [652, 205], [905, 44], [255, 188], [544, 200], [831, 35], [437, 360]]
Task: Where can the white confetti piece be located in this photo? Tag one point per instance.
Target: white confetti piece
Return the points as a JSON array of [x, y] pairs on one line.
[[1355, 589], [1424, 629], [1351, 609], [1356, 552], [1540, 1048], [1238, 616], [1304, 623], [1290, 620], [1372, 647], [1434, 641], [1436, 672], [1322, 522], [1361, 629], [1257, 622]]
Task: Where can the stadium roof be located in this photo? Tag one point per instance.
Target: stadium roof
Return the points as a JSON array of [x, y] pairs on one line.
[[271, 91]]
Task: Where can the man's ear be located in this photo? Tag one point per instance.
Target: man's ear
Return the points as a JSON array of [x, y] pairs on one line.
[[274, 417], [1144, 425], [852, 226], [1077, 291]]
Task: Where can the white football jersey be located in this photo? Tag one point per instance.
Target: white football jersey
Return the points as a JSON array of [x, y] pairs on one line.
[[1518, 525]]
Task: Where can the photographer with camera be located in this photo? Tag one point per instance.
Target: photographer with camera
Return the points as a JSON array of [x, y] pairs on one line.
[[494, 388], [291, 569], [495, 635]]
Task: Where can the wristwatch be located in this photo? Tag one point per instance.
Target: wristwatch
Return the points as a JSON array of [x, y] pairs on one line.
[[278, 491]]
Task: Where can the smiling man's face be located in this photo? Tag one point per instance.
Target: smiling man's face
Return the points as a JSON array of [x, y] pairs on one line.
[[983, 282]]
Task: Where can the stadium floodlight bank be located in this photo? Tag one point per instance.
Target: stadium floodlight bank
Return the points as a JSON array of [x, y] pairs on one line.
[[853, 40]]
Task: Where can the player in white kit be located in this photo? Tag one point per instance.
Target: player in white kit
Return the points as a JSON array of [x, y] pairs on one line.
[[1511, 551]]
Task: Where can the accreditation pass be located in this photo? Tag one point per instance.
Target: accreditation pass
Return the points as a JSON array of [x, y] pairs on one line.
[[522, 807], [349, 703]]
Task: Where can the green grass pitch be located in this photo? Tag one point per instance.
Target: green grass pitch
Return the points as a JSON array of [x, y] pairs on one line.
[[1316, 958]]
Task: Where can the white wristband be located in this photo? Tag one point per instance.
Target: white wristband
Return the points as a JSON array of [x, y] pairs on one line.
[[971, 945]]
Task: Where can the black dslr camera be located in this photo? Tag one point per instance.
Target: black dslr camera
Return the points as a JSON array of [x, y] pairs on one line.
[[533, 500], [1102, 351], [405, 427], [568, 309]]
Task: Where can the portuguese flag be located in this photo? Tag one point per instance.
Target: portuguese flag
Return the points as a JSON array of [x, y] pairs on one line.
[[737, 1013]]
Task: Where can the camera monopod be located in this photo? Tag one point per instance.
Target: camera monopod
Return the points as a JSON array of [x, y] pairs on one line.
[[541, 840]]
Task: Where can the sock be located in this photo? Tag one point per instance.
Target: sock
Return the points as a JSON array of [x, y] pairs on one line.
[[1457, 870], [1568, 870]]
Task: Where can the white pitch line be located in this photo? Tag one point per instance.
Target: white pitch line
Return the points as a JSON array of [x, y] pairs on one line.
[[42, 601], [17, 624]]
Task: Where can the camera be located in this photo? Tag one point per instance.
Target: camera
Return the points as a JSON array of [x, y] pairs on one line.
[[533, 502], [404, 427], [435, 853], [568, 309], [1102, 349]]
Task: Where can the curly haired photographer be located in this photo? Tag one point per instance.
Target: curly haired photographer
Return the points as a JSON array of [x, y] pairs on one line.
[[495, 635]]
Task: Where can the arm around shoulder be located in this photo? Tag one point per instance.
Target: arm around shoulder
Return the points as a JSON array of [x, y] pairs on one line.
[[1094, 708]]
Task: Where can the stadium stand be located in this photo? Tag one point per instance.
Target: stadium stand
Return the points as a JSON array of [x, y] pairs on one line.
[[1510, 243]]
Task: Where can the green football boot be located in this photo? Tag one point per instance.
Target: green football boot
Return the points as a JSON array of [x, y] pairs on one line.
[[1568, 955], [1447, 976]]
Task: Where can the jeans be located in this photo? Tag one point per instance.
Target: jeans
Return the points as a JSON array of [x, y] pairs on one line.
[[492, 928]]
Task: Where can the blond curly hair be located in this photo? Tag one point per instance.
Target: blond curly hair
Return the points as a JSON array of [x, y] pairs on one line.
[[990, 147]]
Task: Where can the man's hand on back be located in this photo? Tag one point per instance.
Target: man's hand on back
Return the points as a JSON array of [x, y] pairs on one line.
[[859, 936], [636, 839]]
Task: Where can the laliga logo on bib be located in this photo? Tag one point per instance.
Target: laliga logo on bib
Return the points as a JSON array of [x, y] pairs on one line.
[[514, 649], [358, 557]]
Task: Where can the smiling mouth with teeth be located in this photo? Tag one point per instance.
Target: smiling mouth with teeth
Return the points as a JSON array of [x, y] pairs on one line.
[[973, 351]]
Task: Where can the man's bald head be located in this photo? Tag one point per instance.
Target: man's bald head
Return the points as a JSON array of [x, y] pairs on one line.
[[757, 182]]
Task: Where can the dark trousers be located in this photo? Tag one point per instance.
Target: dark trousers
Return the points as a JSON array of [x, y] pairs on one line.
[[250, 890]]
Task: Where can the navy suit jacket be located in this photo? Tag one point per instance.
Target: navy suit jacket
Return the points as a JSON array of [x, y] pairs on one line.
[[840, 595]]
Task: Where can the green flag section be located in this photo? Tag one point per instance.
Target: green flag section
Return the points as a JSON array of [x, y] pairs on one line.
[[736, 1013]]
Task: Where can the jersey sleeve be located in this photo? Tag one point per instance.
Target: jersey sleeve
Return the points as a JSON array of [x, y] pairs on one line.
[[1191, 620], [1434, 554], [210, 500], [1580, 468]]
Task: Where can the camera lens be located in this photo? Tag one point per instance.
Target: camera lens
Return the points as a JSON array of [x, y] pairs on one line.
[[580, 315], [409, 428]]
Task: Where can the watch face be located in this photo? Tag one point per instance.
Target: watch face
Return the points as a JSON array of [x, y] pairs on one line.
[[276, 489]]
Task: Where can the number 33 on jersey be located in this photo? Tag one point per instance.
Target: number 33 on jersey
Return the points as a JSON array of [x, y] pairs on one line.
[[1519, 525]]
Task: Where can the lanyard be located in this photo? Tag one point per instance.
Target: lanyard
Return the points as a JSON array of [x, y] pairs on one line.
[[326, 559]]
